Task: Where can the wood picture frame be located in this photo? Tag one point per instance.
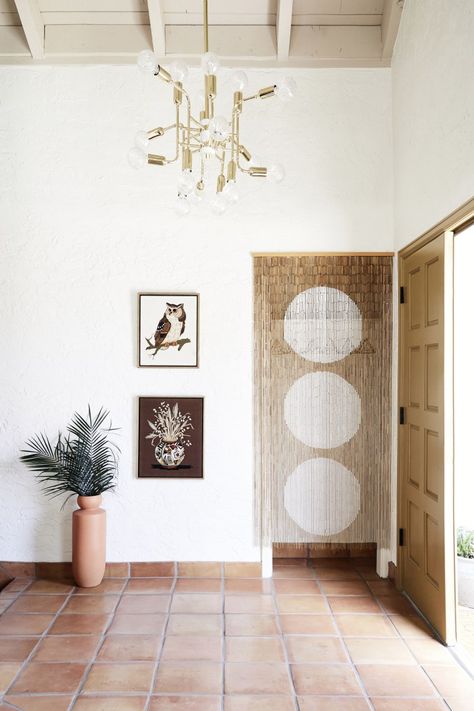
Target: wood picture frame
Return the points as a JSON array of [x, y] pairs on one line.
[[168, 330]]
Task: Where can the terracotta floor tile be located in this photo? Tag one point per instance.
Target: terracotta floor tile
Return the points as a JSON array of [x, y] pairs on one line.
[[125, 623], [24, 624], [430, 651], [459, 703], [192, 648], [344, 587], [257, 678], [382, 587], [450, 681], [38, 603], [149, 585], [8, 671], [365, 626], [197, 603], [367, 572], [144, 604], [336, 574], [410, 705], [16, 649], [242, 570], [107, 586], [111, 703], [253, 625], [17, 585], [5, 603], [50, 586], [198, 585], [189, 678], [195, 624], [411, 626], [332, 703], [307, 624], [44, 678], [315, 649], [296, 587], [325, 679], [153, 570], [185, 703], [67, 649], [130, 648], [302, 603], [250, 604], [134, 676], [347, 603], [396, 605], [366, 650], [293, 571], [40, 703], [258, 703], [395, 680], [200, 570], [93, 604], [254, 649], [248, 585], [341, 563], [80, 624]]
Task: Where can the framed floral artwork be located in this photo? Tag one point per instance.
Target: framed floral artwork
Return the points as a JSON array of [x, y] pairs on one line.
[[168, 330], [170, 437]]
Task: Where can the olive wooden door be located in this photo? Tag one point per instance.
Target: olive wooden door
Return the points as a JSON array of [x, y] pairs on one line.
[[426, 552]]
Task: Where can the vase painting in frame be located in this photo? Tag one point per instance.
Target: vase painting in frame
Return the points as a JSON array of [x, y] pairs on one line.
[[170, 434], [168, 330]]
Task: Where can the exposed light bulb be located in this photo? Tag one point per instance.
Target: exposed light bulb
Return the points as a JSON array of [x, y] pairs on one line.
[[141, 141], [186, 183], [182, 206], [205, 136], [231, 192], [210, 63], [275, 173], [219, 128], [219, 204], [146, 61], [137, 158], [239, 80], [178, 70], [208, 152], [285, 88]]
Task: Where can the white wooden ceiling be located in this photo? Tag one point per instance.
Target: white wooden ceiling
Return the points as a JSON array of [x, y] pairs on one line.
[[299, 33]]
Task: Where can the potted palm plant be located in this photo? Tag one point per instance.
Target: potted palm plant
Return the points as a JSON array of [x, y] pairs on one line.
[[465, 550], [82, 462]]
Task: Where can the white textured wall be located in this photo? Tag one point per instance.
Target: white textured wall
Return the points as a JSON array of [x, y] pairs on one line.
[[433, 113], [81, 234]]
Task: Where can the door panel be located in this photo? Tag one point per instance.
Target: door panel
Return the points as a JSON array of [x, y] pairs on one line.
[[426, 559]]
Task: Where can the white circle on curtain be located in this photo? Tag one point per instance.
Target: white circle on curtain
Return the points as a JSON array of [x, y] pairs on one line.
[[322, 410], [323, 324], [322, 496]]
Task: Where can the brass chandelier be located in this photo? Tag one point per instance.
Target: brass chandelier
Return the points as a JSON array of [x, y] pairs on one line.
[[211, 139]]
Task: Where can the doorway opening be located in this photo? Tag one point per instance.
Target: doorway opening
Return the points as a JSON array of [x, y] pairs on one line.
[[463, 436]]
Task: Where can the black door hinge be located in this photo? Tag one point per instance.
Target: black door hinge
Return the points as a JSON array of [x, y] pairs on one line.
[[402, 294], [401, 537], [402, 416]]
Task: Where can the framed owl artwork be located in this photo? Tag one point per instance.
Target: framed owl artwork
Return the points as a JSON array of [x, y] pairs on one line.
[[168, 330]]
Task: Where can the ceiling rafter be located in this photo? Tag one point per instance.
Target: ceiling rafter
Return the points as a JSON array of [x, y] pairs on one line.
[[33, 26], [283, 28], [157, 27]]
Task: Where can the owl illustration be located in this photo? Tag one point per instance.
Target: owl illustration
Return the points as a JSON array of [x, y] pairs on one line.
[[171, 326]]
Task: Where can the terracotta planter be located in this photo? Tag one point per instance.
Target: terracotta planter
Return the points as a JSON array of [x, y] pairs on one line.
[[88, 542]]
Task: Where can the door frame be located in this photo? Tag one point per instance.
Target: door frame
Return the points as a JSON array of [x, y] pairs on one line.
[[457, 220]]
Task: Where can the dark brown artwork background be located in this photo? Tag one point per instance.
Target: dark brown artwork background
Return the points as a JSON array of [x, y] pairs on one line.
[[192, 465]]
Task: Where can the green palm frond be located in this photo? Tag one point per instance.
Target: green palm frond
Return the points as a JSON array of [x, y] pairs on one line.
[[84, 462]]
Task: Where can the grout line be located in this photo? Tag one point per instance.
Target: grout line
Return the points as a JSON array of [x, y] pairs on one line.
[[40, 639], [102, 637], [283, 644], [160, 650]]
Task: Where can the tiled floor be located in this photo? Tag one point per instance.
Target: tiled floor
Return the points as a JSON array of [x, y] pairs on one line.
[[466, 629], [333, 637]]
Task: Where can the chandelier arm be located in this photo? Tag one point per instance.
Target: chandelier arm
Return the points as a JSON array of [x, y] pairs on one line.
[[206, 27]]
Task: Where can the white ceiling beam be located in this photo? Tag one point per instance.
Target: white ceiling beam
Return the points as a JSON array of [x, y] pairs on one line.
[[33, 26], [392, 13], [157, 27], [283, 28]]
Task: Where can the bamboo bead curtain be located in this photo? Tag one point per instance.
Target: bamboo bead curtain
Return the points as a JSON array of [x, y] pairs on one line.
[[323, 340]]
